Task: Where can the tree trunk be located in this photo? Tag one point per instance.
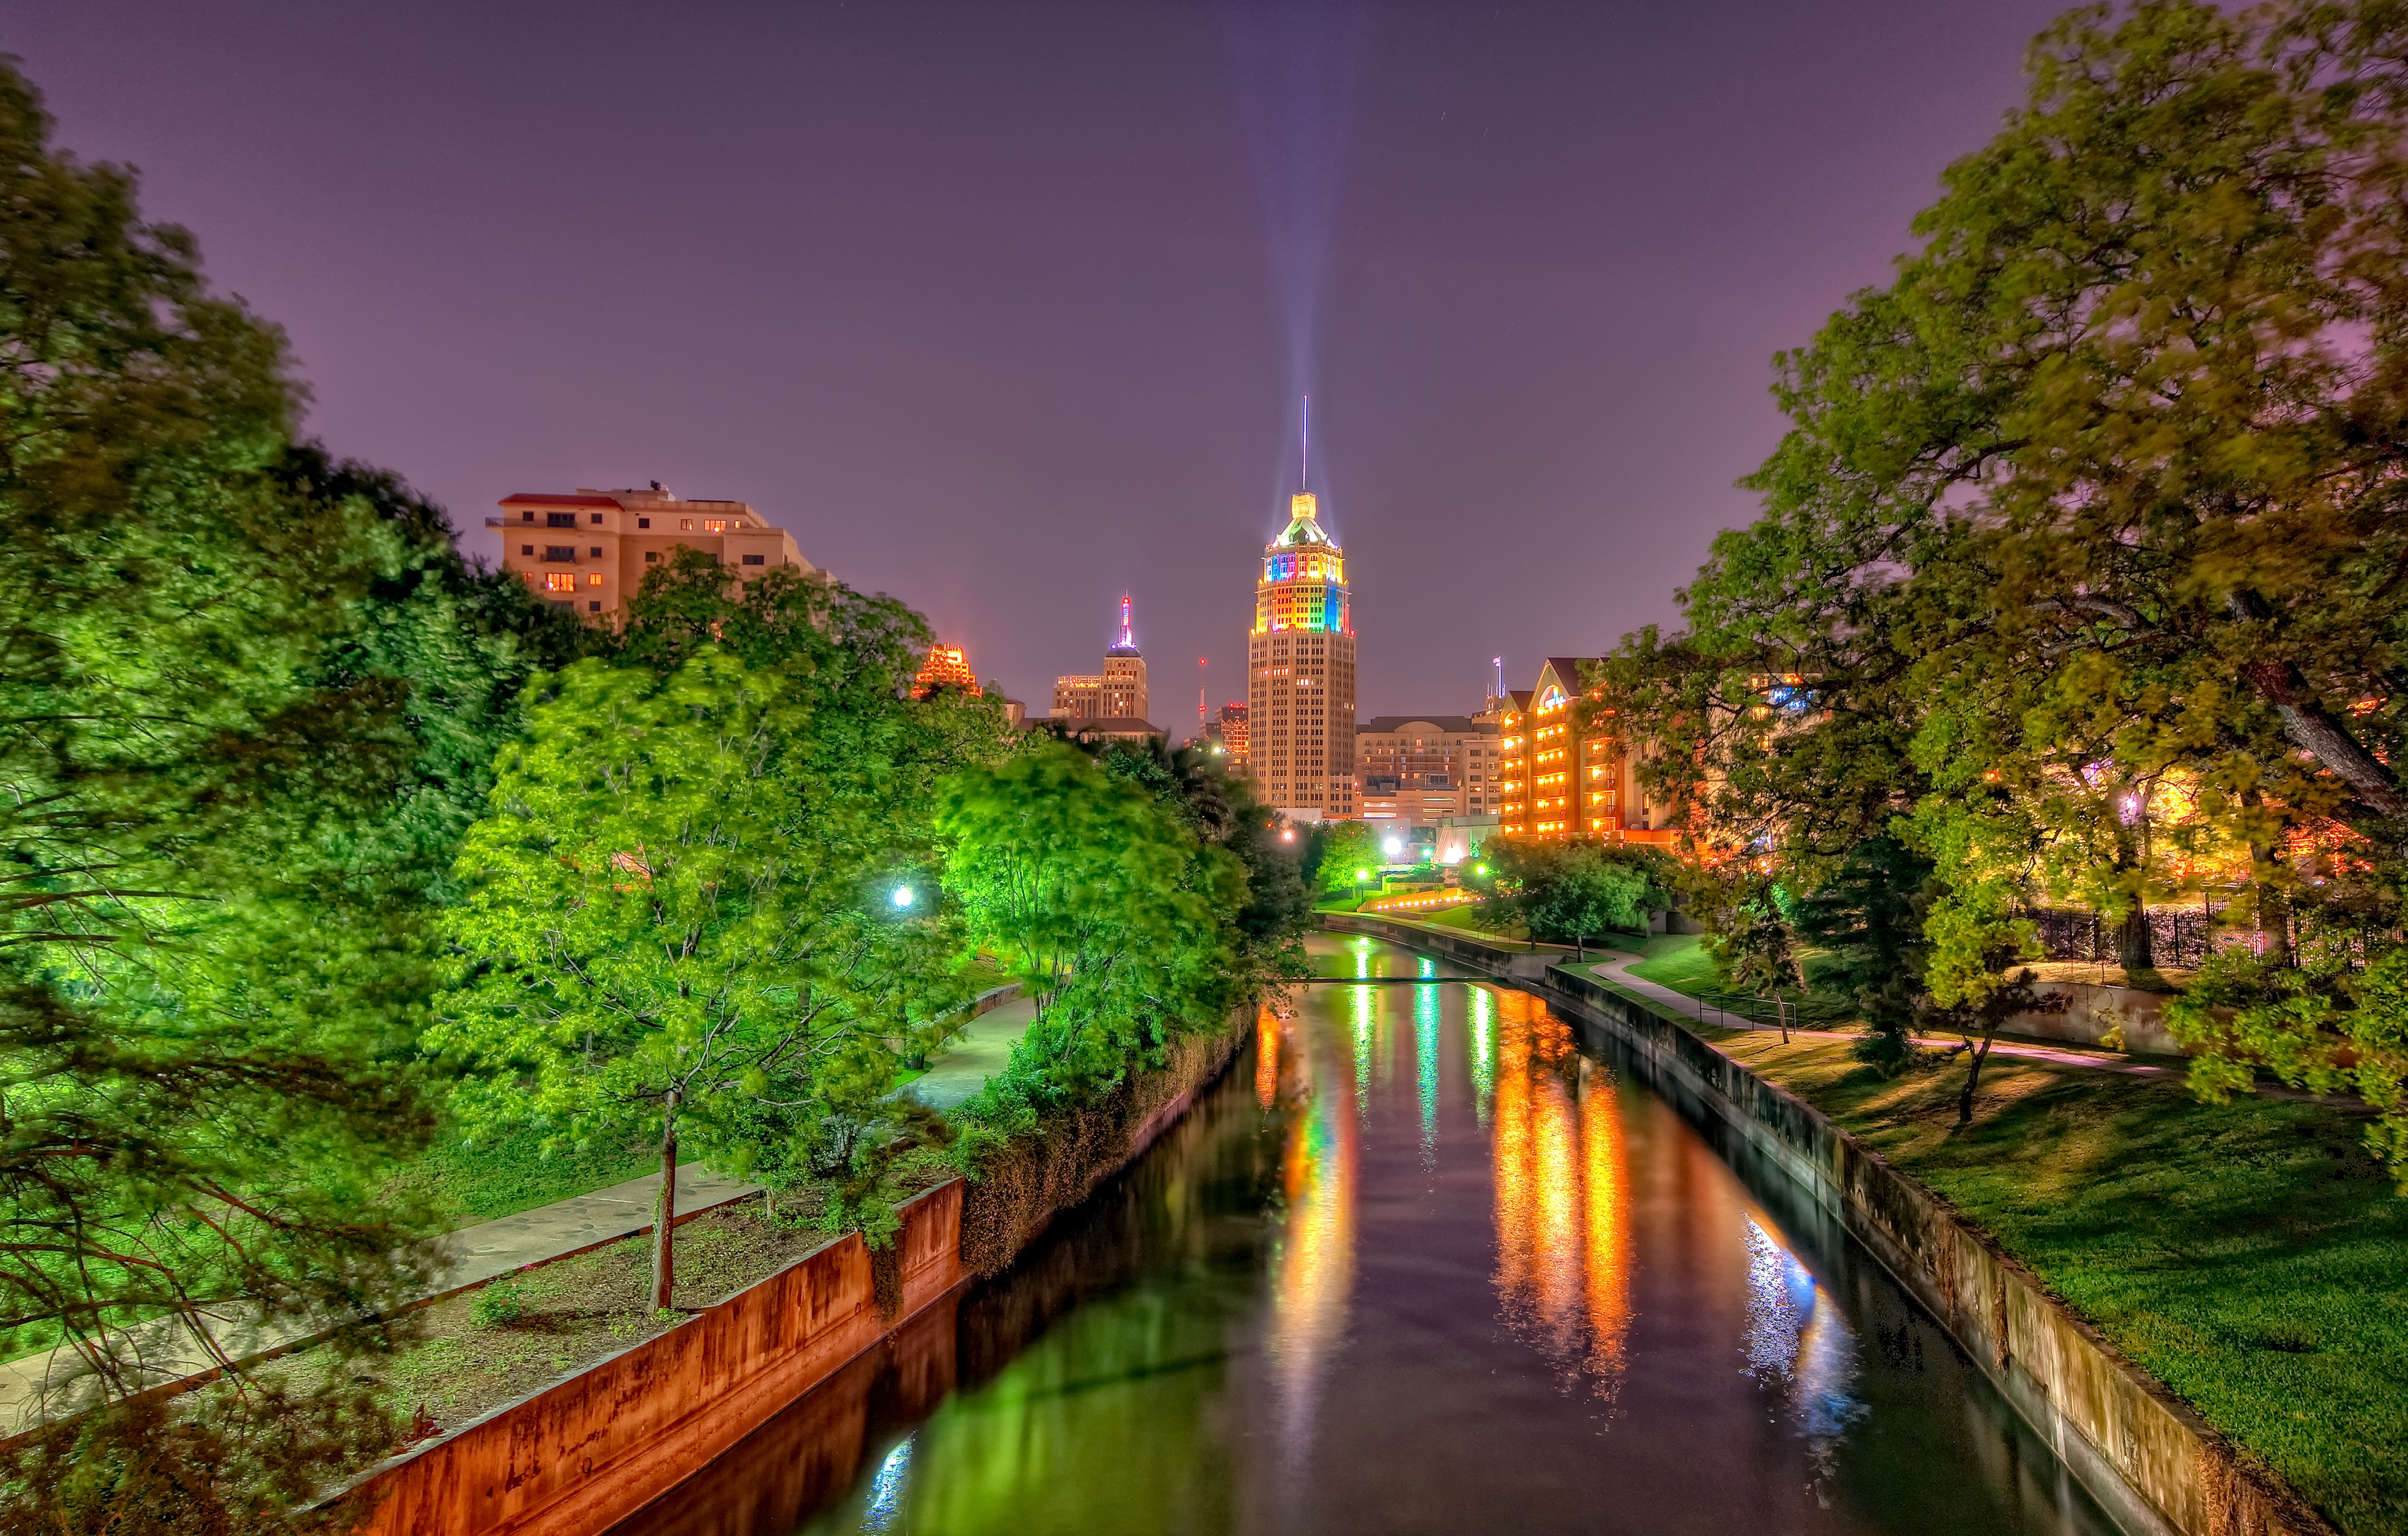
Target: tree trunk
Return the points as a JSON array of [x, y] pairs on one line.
[[1976, 1056], [2132, 944], [665, 1209]]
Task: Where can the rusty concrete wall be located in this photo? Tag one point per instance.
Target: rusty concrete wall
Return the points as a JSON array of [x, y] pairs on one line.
[[588, 1451], [2143, 1454]]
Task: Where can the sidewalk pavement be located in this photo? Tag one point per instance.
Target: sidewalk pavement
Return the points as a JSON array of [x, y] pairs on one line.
[[977, 1053], [467, 1257], [1618, 972], [58, 1380]]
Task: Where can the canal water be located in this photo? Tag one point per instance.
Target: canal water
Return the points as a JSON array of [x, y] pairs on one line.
[[1419, 1263]]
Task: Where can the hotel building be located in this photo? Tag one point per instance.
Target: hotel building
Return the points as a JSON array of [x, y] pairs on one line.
[[1300, 673], [1420, 769], [1560, 782], [589, 550]]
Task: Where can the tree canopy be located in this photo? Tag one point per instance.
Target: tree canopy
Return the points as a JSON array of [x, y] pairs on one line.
[[2079, 568]]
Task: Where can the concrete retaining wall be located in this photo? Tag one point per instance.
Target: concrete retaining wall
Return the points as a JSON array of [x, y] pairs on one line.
[[2152, 1462], [588, 1451]]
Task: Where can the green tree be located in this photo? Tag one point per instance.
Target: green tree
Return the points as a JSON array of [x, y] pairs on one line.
[[2079, 568], [210, 965], [1342, 852], [676, 920], [1112, 912], [1866, 919]]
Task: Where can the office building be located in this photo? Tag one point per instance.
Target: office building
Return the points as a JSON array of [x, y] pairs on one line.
[[1300, 673]]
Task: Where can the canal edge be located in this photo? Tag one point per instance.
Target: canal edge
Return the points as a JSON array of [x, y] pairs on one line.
[[2143, 1452]]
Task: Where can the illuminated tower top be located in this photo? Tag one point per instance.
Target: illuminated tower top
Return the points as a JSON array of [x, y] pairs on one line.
[[1127, 644], [1303, 585]]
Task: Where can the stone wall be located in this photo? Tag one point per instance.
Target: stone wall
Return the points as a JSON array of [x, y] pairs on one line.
[[590, 1450], [2152, 1462]]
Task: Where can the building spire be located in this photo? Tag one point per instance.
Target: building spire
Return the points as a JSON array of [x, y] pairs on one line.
[[1304, 462], [1128, 637]]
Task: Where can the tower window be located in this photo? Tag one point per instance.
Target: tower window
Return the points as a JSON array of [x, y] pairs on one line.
[[597, 517], [560, 519]]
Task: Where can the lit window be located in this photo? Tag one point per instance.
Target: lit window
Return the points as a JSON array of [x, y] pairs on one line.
[[713, 524], [560, 581], [686, 522], [594, 579]]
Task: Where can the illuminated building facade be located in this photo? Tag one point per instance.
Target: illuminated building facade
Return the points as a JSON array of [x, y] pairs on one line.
[[947, 666], [1560, 781], [1300, 673], [1116, 693], [1420, 769], [588, 550], [1226, 732]]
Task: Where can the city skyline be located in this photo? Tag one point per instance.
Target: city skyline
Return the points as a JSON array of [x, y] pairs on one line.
[[875, 273]]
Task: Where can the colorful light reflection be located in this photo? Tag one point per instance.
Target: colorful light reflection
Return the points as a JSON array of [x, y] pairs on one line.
[[1563, 1216], [1314, 1268]]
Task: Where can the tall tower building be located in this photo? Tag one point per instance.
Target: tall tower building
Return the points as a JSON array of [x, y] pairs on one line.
[[1301, 682], [1123, 676]]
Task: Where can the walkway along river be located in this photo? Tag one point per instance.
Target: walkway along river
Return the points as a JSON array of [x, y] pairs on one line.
[[1416, 1263]]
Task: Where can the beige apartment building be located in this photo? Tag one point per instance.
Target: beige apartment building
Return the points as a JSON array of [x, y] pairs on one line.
[[589, 550], [1420, 769]]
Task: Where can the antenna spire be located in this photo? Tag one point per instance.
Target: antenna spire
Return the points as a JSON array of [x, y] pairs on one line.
[[1304, 467]]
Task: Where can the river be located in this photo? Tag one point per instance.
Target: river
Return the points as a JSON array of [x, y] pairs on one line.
[[1418, 1263]]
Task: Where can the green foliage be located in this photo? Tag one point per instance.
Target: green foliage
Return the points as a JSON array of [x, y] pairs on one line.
[[219, 841], [678, 914], [1573, 891], [1100, 900], [498, 1303], [1867, 920], [1340, 851], [2078, 571]]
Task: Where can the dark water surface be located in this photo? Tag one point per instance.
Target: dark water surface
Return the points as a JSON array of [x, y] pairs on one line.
[[1417, 1264]]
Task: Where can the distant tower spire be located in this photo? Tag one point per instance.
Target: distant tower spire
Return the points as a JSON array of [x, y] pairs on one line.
[[1128, 638], [1304, 463]]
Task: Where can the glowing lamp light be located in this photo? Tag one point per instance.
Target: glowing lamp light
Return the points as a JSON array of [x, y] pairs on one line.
[[903, 896], [1362, 874], [1394, 847], [1288, 836]]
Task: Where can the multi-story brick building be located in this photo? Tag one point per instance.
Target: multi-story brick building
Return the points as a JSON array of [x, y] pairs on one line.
[[1563, 782], [589, 550], [1300, 673]]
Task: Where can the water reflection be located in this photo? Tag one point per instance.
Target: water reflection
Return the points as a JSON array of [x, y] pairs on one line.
[[1799, 1345], [1562, 1217], [1313, 1260], [1330, 1302]]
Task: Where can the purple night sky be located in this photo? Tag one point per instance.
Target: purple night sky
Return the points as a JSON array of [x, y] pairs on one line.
[[1004, 308]]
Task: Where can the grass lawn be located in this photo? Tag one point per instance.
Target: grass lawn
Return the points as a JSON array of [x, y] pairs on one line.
[[2250, 1256], [506, 1175], [1677, 961]]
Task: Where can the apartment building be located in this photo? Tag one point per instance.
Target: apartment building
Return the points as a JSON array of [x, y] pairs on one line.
[[589, 550]]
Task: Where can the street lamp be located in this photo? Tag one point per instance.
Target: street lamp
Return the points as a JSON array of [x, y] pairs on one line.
[[902, 897]]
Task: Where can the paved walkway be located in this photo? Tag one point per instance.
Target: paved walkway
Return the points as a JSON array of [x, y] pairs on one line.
[[1618, 972], [468, 1256], [978, 1051], [473, 1255]]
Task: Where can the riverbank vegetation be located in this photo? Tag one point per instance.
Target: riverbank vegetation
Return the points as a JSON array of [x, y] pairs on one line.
[[2245, 1253], [2077, 580], [346, 875]]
